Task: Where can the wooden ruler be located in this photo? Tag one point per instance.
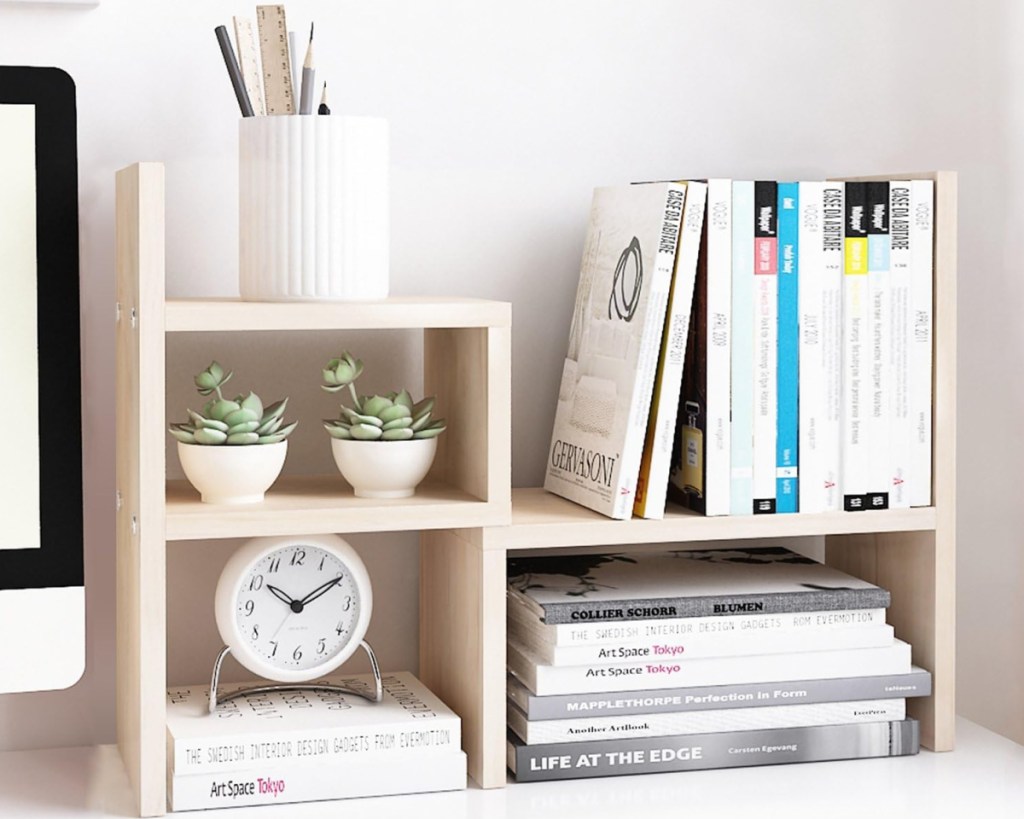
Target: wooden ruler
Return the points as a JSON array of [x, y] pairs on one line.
[[248, 62], [277, 64]]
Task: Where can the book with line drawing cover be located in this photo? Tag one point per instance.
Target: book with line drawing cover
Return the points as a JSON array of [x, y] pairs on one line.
[[683, 583]]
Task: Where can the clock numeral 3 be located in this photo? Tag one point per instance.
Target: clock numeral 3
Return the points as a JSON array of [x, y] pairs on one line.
[[347, 604], [298, 557]]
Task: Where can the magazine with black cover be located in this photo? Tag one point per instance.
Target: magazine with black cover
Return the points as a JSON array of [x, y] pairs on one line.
[[683, 583]]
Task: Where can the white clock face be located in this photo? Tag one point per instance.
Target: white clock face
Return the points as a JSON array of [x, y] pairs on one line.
[[297, 607]]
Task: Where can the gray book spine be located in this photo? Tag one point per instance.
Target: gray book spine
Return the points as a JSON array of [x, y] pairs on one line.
[[918, 683], [582, 611], [729, 749]]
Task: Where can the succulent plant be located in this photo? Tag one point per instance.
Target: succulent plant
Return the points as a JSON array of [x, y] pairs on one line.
[[238, 422], [391, 417]]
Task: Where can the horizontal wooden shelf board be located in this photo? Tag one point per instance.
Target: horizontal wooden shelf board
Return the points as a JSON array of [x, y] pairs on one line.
[[407, 312], [322, 504], [541, 520]]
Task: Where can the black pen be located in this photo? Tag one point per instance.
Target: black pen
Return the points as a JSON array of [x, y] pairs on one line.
[[233, 71], [323, 109]]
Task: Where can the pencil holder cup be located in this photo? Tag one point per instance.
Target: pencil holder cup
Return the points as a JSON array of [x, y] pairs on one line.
[[313, 208]]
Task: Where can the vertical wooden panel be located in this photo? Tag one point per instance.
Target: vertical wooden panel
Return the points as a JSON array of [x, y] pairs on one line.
[[141, 586], [462, 642]]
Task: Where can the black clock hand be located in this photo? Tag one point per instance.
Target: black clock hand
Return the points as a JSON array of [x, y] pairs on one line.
[[320, 591], [280, 595]]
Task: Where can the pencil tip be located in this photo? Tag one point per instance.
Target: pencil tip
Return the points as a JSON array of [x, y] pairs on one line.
[[311, 31]]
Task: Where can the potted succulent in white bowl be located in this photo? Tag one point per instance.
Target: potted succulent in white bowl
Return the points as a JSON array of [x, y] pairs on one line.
[[233, 451], [383, 444]]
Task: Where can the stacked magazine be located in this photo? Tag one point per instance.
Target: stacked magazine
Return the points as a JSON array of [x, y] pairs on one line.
[[299, 746], [746, 347], [681, 660]]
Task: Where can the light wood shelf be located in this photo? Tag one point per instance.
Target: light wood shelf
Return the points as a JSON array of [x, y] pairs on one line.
[[471, 519], [322, 504], [398, 313]]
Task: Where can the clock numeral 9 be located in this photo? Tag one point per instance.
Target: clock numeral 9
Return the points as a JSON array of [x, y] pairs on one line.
[[347, 604], [298, 557], [321, 646], [250, 607], [297, 654], [256, 583]]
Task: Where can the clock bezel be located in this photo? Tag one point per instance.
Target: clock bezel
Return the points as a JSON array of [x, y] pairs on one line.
[[238, 567]]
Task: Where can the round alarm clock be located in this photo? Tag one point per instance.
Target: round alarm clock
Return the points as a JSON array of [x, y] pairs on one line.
[[293, 609]]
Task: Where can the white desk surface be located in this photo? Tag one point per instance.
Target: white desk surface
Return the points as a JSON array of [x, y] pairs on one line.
[[983, 779]]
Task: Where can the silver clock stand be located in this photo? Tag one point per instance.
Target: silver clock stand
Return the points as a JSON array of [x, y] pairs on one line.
[[373, 696]]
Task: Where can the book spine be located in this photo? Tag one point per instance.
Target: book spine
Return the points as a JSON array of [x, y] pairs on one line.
[[717, 452], [922, 200], [684, 628], [787, 476], [879, 381], [916, 683], [545, 680], [730, 749], [811, 364], [587, 729], [221, 753], [741, 454], [856, 327], [708, 645], [273, 784], [830, 431], [650, 349], [653, 482], [765, 326], [718, 604], [900, 264]]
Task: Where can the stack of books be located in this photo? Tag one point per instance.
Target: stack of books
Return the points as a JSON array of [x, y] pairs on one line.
[[301, 746], [682, 660], [750, 347]]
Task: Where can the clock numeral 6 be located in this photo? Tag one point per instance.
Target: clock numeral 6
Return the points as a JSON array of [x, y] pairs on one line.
[[297, 654]]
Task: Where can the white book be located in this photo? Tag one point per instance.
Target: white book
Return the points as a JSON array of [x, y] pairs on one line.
[[661, 428], [682, 628], [811, 286], [856, 349], [277, 784], [765, 318], [614, 342], [540, 732], [717, 453], [830, 437], [922, 227], [900, 266], [307, 728], [879, 381], [741, 438], [699, 647], [544, 680]]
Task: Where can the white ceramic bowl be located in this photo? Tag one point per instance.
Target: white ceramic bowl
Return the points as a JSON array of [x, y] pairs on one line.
[[384, 469], [232, 474]]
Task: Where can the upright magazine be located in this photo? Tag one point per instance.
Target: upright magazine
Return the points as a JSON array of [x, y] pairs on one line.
[[614, 343]]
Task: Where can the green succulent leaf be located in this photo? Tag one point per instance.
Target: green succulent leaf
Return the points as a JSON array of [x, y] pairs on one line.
[[397, 434], [245, 426], [199, 421], [269, 427], [253, 403], [433, 430], [275, 410], [285, 431], [376, 405], [222, 409], [276, 438], [210, 437], [338, 431], [420, 422], [358, 418], [426, 405], [404, 399], [183, 435], [398, 423], [243, 438], [240, 416], [365, 432], [393, 412]]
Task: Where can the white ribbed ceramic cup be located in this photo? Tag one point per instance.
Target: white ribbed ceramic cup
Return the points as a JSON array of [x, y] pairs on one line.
[[313, 208]]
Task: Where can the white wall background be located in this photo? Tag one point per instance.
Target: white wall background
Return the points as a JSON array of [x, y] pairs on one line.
[[503, 117]]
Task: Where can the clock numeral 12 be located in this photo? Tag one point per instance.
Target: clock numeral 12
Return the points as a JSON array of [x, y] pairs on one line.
[[298, 557]]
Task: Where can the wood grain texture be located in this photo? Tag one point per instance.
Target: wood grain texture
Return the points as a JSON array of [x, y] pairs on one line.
[[141, 602], [320, 504], [462, 644], [399, 313]]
